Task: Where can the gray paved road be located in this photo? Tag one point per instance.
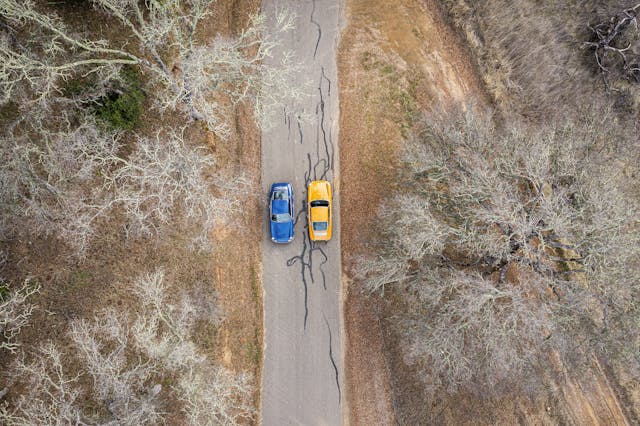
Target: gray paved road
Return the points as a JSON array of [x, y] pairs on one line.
[[302, 373]]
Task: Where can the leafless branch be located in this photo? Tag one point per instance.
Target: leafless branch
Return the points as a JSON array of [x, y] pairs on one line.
[[607, 35], [15, 311]]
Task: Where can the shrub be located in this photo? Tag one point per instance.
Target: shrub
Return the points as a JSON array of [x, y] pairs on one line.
[[121, 109]]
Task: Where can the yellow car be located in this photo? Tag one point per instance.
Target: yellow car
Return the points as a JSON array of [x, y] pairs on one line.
[[319, 210]]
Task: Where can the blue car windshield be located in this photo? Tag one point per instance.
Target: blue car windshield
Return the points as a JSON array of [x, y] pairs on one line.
[[320, 226], [280, 195], [281, 217]]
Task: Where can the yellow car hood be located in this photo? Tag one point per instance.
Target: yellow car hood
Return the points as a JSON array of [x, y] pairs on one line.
[[318, 191]]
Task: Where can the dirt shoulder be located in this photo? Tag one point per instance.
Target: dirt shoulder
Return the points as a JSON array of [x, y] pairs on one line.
[[236, 262], [394, 60]]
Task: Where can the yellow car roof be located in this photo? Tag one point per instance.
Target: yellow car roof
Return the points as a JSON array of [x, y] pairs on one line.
[[319, 214]]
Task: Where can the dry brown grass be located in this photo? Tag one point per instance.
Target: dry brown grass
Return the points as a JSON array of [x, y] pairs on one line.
[[532, 59]]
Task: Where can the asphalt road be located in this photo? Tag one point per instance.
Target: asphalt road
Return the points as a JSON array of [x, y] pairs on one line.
[[302, 373]]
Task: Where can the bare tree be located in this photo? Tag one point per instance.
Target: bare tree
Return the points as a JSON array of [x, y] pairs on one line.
[[162, 331], [164, 176], [41, 68], [217, 397], [64, 175], [124, 388], [429, 234], [68, 179], [507, 196], [121, 390], [50, 396], [14, 309], [201, 79], [511, 241], [14, 312], [211, 394], [126, 368], [473, 331], [54, 180], [383, 270]]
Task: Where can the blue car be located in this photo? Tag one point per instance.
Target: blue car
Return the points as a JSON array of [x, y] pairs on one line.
[[281, 212]]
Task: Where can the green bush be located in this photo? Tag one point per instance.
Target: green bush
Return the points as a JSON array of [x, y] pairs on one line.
[[122, 109], [77, 87], [4, 292]]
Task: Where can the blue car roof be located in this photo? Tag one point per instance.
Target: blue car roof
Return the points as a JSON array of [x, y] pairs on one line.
[[279, 206]]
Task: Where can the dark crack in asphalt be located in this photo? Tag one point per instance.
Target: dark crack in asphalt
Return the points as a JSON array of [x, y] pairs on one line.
[[313, 10], [299, 127], [305, 258], [325, 259], [287, 122], [326, 139], [317, 170], [333, 361]]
